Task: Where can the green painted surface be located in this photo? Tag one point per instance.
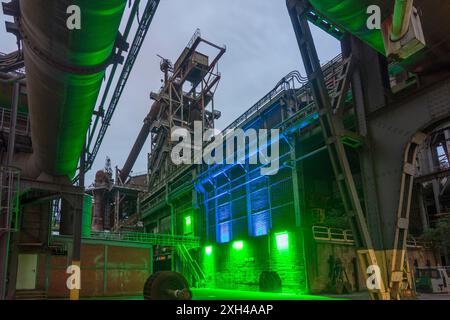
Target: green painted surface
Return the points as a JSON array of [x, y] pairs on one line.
[[352, 16], [87, 216], [90, 46], [218, 294], [239, 264]]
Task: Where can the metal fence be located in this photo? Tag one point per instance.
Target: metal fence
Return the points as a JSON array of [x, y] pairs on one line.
[[333, 234]]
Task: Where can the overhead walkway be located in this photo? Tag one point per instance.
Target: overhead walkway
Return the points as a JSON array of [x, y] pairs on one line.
[[134, 238]]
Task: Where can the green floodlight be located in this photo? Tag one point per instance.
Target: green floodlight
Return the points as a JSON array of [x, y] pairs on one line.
[[282, 240], [238, 245]]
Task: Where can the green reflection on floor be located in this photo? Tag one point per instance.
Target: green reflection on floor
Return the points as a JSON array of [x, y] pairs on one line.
[[218, 294]]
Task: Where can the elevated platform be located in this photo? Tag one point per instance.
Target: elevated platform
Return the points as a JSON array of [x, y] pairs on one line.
[[133, 239]]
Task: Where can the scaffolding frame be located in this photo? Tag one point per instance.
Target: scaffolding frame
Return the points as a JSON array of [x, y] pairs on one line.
[[180, 108]]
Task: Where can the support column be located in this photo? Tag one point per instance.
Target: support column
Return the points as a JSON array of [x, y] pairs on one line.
[[422, 209], [295, 184], [78, 223], [117, 212], [367, 98], [330, 117]]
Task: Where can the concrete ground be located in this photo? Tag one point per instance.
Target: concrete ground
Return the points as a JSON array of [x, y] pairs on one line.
[[434, 296], [218, 294], [365, 296]]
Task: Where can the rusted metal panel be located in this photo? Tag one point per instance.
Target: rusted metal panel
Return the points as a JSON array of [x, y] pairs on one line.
[[57, 279], [126, 282], [126, 269], [92, 282], [128, 258], [92, 256]]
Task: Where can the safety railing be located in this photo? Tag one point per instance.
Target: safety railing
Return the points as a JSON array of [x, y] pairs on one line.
[[16, 58], [9, 199], [337, 235], [330, 72], [151, 238], [192, 264], [22, 124], [140, 237], [412, 242]]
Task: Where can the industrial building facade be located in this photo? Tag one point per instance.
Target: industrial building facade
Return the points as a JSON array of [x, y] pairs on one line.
[[292, 222], [361, 181]]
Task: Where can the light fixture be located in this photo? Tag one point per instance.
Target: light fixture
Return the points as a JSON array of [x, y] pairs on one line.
[[238, 245], [282, 240]]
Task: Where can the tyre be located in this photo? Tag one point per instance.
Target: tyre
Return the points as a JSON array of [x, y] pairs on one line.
[[164, 284]]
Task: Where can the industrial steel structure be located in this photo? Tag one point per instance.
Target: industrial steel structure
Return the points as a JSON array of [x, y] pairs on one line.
[[363, 172]]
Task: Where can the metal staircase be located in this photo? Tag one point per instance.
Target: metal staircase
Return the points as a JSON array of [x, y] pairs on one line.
[[182, 245], [192, 264]]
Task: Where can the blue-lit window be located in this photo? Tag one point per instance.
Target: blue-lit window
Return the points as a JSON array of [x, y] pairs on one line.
[[224, 232], [261, 224]]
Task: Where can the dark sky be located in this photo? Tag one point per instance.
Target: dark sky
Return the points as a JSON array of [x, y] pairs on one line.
[[261, 49]]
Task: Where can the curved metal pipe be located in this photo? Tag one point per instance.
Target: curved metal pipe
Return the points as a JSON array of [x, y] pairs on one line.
[[140, 141], [400, 20], [351, 15], [65, 69], [7, 78]]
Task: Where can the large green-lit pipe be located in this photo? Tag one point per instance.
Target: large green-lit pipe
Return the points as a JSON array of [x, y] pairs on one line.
[[65, 69], [352, 16]]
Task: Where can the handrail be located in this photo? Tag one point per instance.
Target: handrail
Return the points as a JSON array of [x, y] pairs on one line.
[[22, 124], [148, 238], [193, 264], [322, 233], [283, 85], [413, 242]]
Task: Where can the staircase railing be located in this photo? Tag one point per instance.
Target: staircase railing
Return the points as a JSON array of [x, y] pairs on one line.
[[167, 240], [191, 263]]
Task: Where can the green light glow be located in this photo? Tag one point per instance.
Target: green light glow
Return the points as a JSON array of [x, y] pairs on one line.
[[238, 245], [282, 241], [208, 250], [220, 294], [351, 15], [89, 46], [188, 220]]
